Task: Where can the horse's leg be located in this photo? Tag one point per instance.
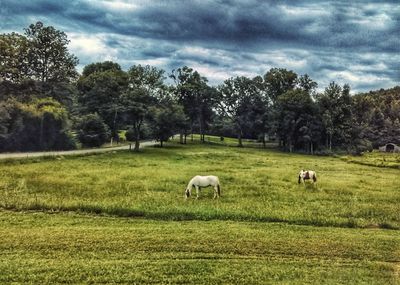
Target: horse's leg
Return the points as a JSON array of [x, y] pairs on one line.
[[215, 192], [197, 191]]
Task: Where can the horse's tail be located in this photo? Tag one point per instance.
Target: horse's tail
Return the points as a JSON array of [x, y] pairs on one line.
[[219, 190], [314, 177]]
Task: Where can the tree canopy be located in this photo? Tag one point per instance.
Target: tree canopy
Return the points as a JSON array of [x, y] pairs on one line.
[[45, 104]]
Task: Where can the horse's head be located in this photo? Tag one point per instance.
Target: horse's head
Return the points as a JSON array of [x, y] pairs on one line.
[[187, 192]]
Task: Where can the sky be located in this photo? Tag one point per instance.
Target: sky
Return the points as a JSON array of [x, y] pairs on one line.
[[355, 42]]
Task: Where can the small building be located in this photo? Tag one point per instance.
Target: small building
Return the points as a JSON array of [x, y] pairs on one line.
[[390, 147]]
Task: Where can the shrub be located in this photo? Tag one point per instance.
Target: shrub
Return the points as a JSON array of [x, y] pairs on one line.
[[92, 131]]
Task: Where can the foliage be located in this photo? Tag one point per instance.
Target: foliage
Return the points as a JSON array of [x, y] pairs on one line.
[[101, 91], [237, 102], [146, 87], [14, 65], [197, 98], [279, 104], [49, 59], [165, 120], [41, 124], [92, 131], [278, 81]]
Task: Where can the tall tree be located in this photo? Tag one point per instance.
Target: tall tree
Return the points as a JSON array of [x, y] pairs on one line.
[[194, 95], [145, 88], [278, 81], [165, 119], [335, 107], [101, 92], [297, 121], [237, 99], [14, 57], [49, 59]]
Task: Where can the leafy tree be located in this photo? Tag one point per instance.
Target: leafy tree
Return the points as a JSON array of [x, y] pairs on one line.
[[195, 96], [49, 59], [278, 81], [297, 121], [41, 124], [237, 102], [335, 105], [305, 83], [146, 86], [262, 114], [100, 67], [165, 120], [92, 131], [101, 92], [14, 57]]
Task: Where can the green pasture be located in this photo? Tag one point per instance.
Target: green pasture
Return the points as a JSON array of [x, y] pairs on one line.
[[53, 248], [121, 217], [257, 185], [376, 158]]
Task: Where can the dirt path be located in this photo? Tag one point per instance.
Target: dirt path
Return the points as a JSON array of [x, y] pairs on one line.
[[69, 152]]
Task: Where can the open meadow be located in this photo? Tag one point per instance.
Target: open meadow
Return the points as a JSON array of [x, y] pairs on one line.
[[121, 217]]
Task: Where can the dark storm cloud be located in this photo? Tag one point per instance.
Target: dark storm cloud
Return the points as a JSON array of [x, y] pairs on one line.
[[355, 41]]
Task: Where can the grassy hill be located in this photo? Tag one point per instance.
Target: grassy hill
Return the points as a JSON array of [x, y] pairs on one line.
[[122, 218]]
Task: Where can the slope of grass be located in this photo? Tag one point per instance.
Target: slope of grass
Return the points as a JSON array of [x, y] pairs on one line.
[[68, 221], [69, 248], [257, 185], [376, 158]]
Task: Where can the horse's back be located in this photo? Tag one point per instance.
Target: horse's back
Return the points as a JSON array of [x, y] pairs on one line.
[[209, 179], [213, 178]]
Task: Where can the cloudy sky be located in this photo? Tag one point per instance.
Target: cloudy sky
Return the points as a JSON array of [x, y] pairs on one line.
[[355, 42]]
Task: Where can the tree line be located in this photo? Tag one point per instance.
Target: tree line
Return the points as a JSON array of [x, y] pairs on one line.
[[45, 104]]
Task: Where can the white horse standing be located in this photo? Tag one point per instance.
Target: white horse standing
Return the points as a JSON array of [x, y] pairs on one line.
[[307, 175], [203, 181]]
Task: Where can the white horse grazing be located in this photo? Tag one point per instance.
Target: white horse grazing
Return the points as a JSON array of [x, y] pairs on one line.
[[203, 181], [307, 175]]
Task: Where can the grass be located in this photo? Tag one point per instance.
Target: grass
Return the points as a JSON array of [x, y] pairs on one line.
[[65, 219], [376, 158], [69, 248], [257, 185]]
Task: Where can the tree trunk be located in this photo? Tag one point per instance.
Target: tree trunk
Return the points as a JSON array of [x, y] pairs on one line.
[[181, 138], [263, 140], [161, 143], [201, 128], [114, 131], [41, 132], [330, 142], [312, 148], [184, 138], [240, 137], [137, 137]]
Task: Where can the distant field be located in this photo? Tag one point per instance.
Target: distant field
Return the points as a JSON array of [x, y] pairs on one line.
[[122, 217], [376, 158]]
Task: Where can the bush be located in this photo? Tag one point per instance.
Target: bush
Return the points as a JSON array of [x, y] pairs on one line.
[[145, 133], [40, 124], [92, 131]]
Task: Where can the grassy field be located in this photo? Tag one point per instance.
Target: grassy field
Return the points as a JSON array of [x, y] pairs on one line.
[[376, 158], [122, 218]]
